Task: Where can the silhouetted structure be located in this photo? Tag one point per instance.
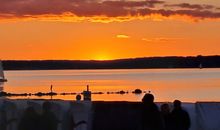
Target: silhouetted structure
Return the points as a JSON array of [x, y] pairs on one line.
[[181, 119], [2, 76], [166, 115], [30, 120], [151, 118], [87, 95], [48, 118]]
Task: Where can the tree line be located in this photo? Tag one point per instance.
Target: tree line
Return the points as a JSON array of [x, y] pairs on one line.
[[132, 63]]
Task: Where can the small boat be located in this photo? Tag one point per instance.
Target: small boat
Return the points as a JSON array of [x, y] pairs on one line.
[[200, 66], [2, 76]]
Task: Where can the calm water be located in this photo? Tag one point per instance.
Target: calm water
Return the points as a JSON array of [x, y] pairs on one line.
[[167, 84]]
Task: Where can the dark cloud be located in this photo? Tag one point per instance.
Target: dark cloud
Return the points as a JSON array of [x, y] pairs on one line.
[[191, 6], [98, 8], [120, 4], [192, 13]]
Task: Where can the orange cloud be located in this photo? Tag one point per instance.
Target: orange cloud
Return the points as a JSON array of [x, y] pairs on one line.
[[161, 39], [122, 36]]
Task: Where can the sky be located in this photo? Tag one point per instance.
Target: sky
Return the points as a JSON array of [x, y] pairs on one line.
[[108, 29]]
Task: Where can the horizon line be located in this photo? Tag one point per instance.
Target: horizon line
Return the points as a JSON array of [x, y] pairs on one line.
[[103, 59]]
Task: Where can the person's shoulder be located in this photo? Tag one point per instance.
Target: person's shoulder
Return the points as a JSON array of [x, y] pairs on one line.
[[155, 106]]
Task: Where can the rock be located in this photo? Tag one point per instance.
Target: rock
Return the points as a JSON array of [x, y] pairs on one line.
[[137, 91]]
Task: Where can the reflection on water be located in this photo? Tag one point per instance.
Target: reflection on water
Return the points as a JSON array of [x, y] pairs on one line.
[[166, 84]]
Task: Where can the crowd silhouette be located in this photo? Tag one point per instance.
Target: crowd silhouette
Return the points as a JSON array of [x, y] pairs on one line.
[[31, 120], [168, 117], [163, 119]]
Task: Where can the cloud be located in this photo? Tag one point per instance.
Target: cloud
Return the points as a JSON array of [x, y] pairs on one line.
[[161, 39], [191, 6], [147, 39], [101, 11], [122, 36], [146, 3]]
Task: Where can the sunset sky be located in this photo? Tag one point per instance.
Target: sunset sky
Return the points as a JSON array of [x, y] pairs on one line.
[[108, 29]]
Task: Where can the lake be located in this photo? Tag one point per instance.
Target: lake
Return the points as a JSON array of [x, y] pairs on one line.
[[188, 85]]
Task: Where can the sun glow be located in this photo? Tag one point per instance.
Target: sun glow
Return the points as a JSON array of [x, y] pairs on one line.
[[102, 57]]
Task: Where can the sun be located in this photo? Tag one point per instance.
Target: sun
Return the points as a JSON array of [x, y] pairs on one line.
[[102, 57]]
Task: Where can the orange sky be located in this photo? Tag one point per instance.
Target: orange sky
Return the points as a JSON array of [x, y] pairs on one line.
[[107, 34]]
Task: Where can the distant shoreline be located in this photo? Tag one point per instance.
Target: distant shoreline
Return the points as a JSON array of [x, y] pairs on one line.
[[101, 69], [171, 62]]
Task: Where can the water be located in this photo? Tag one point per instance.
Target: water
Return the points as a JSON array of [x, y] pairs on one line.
[[166, 84]]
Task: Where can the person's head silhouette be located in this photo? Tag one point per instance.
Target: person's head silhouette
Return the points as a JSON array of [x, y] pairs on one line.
[[165, 108], [148, 98], [177, 104], [78, 97]]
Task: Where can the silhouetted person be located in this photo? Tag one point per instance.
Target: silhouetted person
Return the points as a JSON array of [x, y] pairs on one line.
[[151, 118], [29, 120], [48, 118], [51, 88], [181, 119], [78, 97], [166, 115]]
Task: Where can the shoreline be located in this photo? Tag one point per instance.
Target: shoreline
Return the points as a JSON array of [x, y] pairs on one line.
[[111, 69], [52, 97]]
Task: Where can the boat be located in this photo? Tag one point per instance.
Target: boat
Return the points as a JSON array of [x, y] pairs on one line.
[[200, 66], [2, 76]]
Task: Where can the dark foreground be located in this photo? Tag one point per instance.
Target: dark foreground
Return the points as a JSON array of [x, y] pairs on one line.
[[100, 115]]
